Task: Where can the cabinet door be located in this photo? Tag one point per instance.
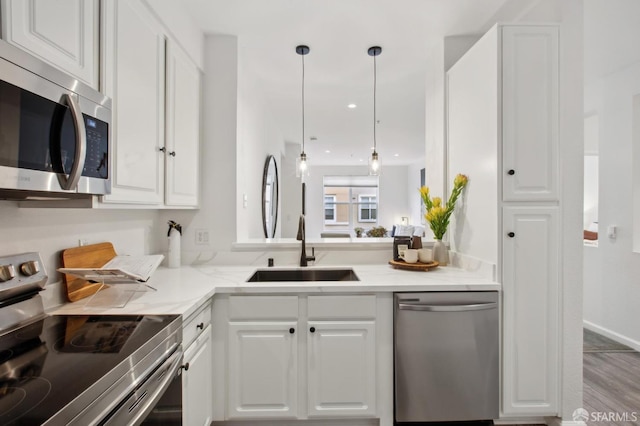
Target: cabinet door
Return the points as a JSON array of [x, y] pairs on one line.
[[530, 112], [197, 385], [530, 309], [63, 33], [134, 71], [263, 370], [183, 129], [341, 368]]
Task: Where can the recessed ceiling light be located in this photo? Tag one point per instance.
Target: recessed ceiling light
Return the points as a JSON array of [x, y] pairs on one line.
[[328, 152], [373, 147], [352, 106], [361, 160], [396, 155]]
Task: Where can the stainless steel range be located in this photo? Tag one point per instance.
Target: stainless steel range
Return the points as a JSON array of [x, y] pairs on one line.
[[79, 369]]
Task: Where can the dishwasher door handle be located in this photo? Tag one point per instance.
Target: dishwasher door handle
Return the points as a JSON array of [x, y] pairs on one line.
[[446, 308]]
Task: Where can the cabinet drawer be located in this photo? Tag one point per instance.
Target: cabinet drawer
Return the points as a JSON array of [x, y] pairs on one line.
[[263, 307], [195, 325], [342, 307]]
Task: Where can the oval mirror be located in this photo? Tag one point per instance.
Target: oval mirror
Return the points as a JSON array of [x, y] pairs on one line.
[[270, 197]]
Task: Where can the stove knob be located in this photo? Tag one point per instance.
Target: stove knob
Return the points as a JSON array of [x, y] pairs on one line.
[[7, 272], [30, 268]]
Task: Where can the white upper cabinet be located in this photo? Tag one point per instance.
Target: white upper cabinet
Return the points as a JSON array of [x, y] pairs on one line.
[[182, 129], [63, 33], [134, 77], [155, 88], [530, 113]]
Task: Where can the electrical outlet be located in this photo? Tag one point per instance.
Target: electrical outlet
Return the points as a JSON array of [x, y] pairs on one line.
[[202, 236]]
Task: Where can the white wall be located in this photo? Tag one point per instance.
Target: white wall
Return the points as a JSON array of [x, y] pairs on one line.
[[258, 137], [393, 199], [472, 104], [291, 194], [414, 202], [49, 231]]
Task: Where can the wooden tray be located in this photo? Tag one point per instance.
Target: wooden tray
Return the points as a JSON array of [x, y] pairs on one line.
[[418, 266], [91, 256]]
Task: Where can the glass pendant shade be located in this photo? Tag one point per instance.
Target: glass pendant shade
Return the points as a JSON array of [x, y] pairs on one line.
[[374, 164], [302, 167]]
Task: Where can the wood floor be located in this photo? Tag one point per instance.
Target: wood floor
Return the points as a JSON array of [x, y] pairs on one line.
[[611, 381]]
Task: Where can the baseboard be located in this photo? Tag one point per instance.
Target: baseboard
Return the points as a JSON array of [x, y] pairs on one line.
[[612, 335]]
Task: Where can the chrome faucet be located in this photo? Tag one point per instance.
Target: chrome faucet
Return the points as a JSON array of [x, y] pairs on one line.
[[301, 237]]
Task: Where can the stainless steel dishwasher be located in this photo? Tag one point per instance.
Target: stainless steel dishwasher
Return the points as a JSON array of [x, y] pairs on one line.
[[446, 356]]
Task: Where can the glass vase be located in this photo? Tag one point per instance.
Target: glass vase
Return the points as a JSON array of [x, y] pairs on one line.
[[440, 253]]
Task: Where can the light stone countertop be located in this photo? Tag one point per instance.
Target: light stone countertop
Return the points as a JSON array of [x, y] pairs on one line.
[[183, 290]]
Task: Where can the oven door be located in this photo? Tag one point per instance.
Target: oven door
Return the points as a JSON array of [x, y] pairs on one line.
[[157, 400], [168, 410]]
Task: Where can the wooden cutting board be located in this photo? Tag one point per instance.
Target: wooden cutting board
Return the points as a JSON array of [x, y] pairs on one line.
[[418, 266], [91, 256]]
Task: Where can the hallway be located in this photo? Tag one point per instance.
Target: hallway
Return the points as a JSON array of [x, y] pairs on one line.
[[611, 381]]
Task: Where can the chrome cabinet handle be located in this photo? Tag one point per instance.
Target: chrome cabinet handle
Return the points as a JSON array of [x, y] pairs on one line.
[[71, 182], [446, 308], [172, 153]]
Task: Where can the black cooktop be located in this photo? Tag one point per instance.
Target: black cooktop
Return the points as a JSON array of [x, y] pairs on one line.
[[47, 364]]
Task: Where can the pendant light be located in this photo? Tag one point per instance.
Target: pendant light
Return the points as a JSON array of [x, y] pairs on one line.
[[302, 168], [374, 161]]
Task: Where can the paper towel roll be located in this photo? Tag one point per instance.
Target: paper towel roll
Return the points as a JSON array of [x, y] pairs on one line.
[[174, 248]]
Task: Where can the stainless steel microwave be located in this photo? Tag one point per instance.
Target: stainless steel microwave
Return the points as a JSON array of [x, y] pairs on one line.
[[54, 131]]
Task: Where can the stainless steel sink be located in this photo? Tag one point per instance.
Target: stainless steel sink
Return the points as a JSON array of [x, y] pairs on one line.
[[277, 275]]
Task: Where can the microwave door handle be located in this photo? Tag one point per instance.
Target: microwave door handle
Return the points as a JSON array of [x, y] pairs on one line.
[[71, 182]]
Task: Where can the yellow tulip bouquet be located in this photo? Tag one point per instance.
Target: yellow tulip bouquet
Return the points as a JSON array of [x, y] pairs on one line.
[[438, 215]]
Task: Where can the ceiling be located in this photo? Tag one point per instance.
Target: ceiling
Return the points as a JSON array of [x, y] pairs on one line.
[[338, 70]]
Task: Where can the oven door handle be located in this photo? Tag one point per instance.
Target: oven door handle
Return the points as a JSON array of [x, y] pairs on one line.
[[71, 182], [139, 404]]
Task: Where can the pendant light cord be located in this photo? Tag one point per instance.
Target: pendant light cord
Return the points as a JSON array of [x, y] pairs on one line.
[[302, 103], [374, 103]]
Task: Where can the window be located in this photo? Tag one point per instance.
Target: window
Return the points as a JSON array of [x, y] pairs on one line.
[[329, 209], [367, 208], [350, 202]]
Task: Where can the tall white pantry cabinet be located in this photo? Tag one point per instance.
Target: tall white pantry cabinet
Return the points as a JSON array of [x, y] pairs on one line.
[[502, 117]]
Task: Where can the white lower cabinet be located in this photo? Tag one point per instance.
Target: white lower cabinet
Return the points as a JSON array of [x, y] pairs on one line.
[[341, 368], [299, 357], [530, 311], [263, 370], [197, 387], [197, 383]]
